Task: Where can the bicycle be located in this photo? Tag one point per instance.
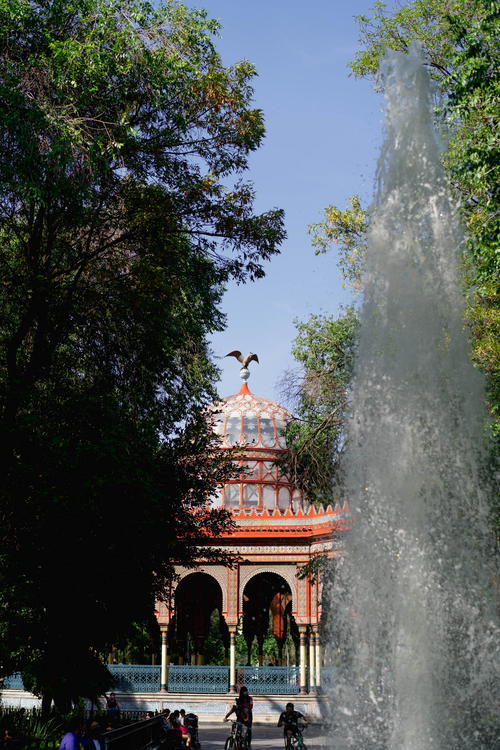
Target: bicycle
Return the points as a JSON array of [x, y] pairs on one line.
[[296, 741], [237, 740]]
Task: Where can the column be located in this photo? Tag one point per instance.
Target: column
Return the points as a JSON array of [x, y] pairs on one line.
[[232, 658], [318, 658], [302, 659], [312, 662], [164, 660]]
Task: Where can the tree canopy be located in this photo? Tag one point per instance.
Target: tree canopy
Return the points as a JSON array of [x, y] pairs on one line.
[[122, 215], [319, 392]]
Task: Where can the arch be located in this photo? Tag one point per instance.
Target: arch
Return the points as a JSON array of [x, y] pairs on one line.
[[218, 572], [196, 597], [267, 609], [287, 572]]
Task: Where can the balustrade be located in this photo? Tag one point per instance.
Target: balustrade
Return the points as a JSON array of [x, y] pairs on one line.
[[197, 679], [13, 682], [269, 680], [144, 678], [135, 678]]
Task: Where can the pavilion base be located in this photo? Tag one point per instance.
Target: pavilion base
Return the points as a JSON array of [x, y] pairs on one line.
[[209, 707]]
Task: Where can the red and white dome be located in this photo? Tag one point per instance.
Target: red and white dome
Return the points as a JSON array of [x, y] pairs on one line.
[[252, 421], [256, 425]]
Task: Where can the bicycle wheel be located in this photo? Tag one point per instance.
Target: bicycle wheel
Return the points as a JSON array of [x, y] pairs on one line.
[[229, 744]]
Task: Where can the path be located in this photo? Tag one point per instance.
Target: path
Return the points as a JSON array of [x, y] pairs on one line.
[[213, 737]]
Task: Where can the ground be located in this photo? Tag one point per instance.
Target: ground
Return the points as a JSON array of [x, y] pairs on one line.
[[213, 737]]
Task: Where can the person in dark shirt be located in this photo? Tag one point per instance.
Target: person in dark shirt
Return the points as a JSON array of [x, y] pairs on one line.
[[243, 708], [289, 720], [113, 709]]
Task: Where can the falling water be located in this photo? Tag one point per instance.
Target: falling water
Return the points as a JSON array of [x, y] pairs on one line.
[[412, 603]]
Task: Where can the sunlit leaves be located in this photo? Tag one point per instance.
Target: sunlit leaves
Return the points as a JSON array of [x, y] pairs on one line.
[[347, 231]]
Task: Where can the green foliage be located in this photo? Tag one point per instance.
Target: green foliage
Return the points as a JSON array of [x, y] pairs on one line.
[[143, 643], [319, 390], [214, 652], [118, 128], [31, 726], [346, 229], [315, 568], [426, 21], [269, 648]]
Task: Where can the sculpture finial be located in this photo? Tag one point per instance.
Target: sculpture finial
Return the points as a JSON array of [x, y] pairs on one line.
[[245, 360]]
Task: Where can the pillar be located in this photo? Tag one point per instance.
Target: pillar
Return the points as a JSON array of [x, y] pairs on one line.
[[232, 658], [318, 658], [164, 660], [302, 659], [312, 662]]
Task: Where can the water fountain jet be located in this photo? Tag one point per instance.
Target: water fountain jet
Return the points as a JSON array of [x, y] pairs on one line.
[[412, 604]]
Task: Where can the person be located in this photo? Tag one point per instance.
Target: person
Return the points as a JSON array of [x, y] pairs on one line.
[[92, 738], [243, 708], [113, 709], [71, 740], [11, 741], [175, 720], [289, 720], [182, 715]]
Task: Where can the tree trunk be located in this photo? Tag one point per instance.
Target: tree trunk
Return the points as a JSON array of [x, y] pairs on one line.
[[46, 705]]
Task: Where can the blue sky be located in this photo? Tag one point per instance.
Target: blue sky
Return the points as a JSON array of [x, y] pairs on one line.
[[323, 134]]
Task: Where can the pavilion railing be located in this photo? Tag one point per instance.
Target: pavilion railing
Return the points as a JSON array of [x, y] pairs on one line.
[[145, 678], [184, 678], [135, 678], [269, 680], [13, 682]]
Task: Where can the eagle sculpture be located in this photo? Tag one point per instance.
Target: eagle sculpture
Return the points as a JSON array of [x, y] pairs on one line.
[[245, 359]]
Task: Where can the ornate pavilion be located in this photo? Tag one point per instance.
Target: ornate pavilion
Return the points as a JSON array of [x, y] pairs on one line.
[[277, 533]]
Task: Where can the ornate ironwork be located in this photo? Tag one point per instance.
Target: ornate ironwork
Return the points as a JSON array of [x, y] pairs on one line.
[[136, 678], [269, 680], [144, 678], [184, 678], [13, 682]]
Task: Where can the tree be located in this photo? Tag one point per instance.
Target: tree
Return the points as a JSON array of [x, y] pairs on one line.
[[118, 128], [319, 391]]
